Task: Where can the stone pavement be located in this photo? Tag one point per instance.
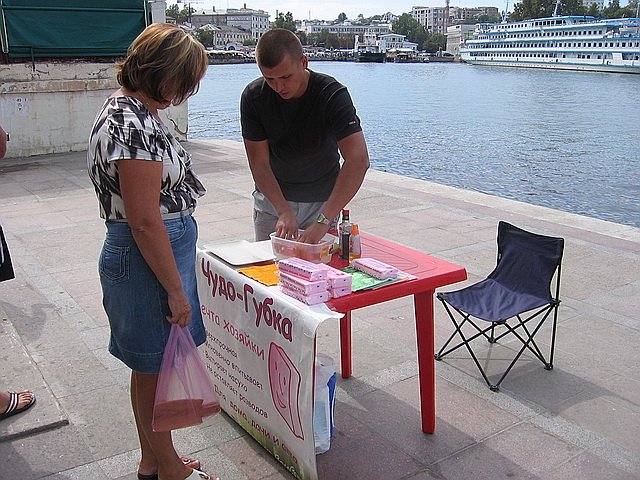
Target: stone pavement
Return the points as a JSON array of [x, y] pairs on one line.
[[580, 420]]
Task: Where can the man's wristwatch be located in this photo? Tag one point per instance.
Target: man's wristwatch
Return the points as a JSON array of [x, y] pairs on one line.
[[322, 219]]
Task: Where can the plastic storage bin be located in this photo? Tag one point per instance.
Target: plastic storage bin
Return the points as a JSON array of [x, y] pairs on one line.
[[324, 402], [316, 253]]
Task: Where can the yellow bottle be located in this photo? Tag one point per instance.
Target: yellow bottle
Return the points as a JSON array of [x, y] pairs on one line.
[[355, 250]]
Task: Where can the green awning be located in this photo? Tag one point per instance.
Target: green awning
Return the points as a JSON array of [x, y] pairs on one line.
[[70, 28]]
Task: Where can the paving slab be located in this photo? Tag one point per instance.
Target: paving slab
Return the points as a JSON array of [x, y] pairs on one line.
[[579, 420], [19, 372]]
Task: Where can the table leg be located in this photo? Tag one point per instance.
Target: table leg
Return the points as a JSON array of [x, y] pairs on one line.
[[345, 345], [425, 326]]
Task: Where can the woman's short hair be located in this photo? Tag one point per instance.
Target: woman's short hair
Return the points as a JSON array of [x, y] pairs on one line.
[[163, 61], [275, 44]]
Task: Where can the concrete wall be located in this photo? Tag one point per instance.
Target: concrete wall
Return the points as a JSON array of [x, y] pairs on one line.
[[50, 107]]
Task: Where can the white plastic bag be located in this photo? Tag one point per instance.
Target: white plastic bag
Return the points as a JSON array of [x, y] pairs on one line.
[[324, 402]]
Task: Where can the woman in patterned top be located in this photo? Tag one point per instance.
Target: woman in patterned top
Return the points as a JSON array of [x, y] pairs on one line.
[[147, 191]]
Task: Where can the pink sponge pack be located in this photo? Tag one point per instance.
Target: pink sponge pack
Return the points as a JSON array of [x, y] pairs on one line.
[[299, 284], [337, 278], [375, 268], [302, 268], [309, 299], [312, 283]]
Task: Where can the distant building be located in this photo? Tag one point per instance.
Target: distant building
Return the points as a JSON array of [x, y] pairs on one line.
[[226, 37], [431, 18], [456, 34], [395, 41], [345, 28], [599, 3], [491, 11], [256, 22], [460, 14], [389, 17]]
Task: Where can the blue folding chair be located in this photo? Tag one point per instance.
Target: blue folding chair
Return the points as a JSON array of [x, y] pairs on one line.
[[520, 284]]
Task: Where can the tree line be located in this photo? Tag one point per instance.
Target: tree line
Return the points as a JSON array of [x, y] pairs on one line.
[[527, 9]]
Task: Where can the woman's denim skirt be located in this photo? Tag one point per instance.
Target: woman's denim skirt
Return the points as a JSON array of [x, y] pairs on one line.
[[135, 301]]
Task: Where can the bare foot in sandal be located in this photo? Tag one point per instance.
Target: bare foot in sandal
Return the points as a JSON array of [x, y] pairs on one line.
[[188, 461], [12, 403]]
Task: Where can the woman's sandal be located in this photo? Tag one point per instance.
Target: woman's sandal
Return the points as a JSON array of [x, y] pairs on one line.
[[198, 475], [14, 401], [188, 461]]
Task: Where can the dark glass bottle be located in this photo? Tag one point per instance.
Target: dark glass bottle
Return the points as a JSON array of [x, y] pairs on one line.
[[345, 233]]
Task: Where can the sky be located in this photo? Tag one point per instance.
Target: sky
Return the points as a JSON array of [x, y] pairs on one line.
[[330, 9]]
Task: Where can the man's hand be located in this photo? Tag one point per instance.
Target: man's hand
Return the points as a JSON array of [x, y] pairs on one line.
[[314, 233], [287, 225]]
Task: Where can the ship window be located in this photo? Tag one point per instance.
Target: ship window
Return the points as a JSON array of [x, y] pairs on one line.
[[624, 44]]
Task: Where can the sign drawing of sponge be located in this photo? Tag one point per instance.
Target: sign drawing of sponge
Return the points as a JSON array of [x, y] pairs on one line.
[[284, 379]]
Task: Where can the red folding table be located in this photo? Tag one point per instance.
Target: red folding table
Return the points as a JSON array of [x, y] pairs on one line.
[[430, 273]]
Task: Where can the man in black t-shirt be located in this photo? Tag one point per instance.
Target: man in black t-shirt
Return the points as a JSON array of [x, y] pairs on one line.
[[296, 123]]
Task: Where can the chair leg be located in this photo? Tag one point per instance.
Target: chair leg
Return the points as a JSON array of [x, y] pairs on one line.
[[465, 341], [527, 339], [458, 331], [530, 336], [440, 355], [553, 335], [530, 339], [492, 337]]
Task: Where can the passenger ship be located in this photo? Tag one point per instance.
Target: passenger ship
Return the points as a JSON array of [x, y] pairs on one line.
[[562, 42]]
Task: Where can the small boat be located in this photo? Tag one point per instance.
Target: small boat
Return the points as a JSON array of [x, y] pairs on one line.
[[369, 50], [217, 57], [408, 57], [376, 57], [441, 56], [558, 42]]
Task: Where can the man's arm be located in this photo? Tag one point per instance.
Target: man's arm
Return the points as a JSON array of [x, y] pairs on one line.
[[356, 162], [265, 180]]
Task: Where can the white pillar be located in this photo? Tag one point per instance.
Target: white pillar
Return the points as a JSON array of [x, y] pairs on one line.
[[159, 11]]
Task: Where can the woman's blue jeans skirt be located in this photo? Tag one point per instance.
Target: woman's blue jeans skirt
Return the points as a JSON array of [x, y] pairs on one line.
[[135, 301]]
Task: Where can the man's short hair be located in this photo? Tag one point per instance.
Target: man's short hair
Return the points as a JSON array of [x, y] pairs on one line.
[[275, 44]]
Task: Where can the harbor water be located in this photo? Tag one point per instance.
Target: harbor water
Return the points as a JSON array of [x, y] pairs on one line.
[[564, 140]]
